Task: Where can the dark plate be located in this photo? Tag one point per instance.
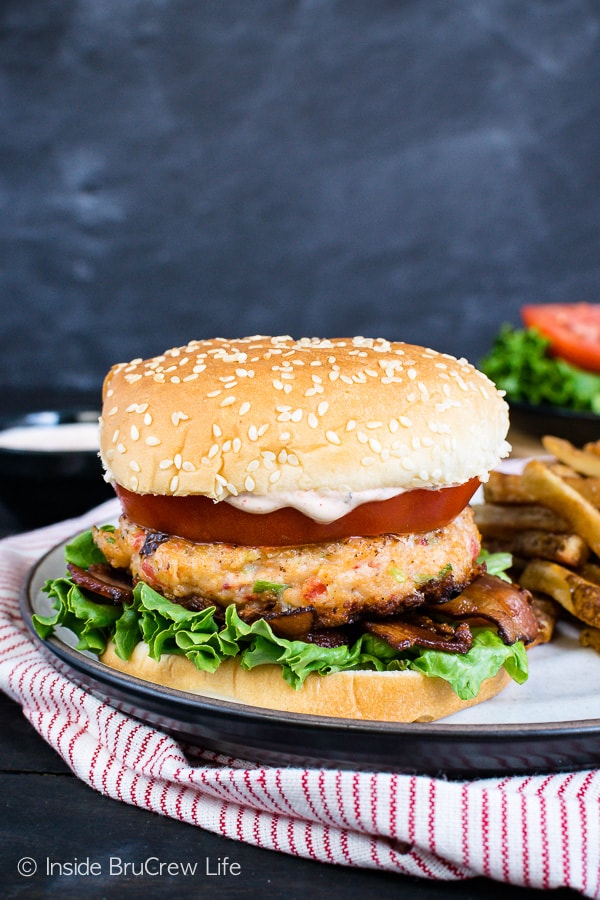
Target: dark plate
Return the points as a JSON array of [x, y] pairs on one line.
[[577, 427], [524, 730]]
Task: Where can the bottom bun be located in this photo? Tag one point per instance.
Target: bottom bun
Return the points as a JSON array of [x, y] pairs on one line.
[[382, 696]]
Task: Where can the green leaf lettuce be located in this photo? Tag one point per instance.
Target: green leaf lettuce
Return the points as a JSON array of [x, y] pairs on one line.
[[168, 627]]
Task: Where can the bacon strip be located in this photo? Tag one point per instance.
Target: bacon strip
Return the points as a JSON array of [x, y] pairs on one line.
[[103, 581], [401, 635], [494, 600]]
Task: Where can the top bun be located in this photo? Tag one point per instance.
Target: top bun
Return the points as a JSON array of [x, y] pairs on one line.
[[272, 414]]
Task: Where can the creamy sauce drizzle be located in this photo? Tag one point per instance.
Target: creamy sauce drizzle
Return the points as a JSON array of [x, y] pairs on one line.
[[320, 506], [70, 436]]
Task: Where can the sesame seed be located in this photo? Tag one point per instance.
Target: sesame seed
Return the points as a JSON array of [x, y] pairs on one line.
[[134, 483], [228, 401], [216, 431], [274, 476], [121, 448], [244, 408], [253, 433], [249, 483], [313, 421], [147, 419], [332, 437], [152, 441], [187, 466], [174, 484], [322, 407], [134, 432], [213, 451], [165, 464]]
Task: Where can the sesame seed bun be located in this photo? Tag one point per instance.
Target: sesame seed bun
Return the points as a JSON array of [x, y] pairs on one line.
[[272, 414], [377, 696]]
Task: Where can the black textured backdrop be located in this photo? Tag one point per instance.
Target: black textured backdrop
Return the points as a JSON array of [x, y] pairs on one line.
[[176, 168]]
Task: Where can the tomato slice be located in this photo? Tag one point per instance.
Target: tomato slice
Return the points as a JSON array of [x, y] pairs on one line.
[[573, 330], [199, 519]]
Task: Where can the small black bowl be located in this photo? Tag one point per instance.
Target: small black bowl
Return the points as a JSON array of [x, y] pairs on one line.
[[49, 466], [578, 427]]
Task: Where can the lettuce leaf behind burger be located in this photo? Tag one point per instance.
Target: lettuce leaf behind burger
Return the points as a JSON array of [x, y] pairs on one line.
[[167, 627]]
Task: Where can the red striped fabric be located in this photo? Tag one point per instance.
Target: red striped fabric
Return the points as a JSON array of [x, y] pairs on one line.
[[541, 831]]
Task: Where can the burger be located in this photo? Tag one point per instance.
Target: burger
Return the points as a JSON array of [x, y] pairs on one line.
[[296, 531]]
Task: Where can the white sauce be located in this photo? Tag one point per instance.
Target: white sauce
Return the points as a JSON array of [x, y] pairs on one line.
[[321, 506], [69, 437]]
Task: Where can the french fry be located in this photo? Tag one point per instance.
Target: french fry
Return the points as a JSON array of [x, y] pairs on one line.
[[587, 487], [498, 520], [566, 549], [590, 571], [547, 612], [579, 597], [590, 637], [553, 492], [506, 487], [583, 461]]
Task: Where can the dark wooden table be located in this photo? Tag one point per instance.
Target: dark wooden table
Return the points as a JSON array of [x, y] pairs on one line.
[[52, 821], [52, 818]]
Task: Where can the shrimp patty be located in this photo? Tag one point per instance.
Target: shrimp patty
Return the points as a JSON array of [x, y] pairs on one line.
[[342, 581]]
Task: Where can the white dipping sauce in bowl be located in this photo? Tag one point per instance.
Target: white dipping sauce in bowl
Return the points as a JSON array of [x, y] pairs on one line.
[[61, 437]]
